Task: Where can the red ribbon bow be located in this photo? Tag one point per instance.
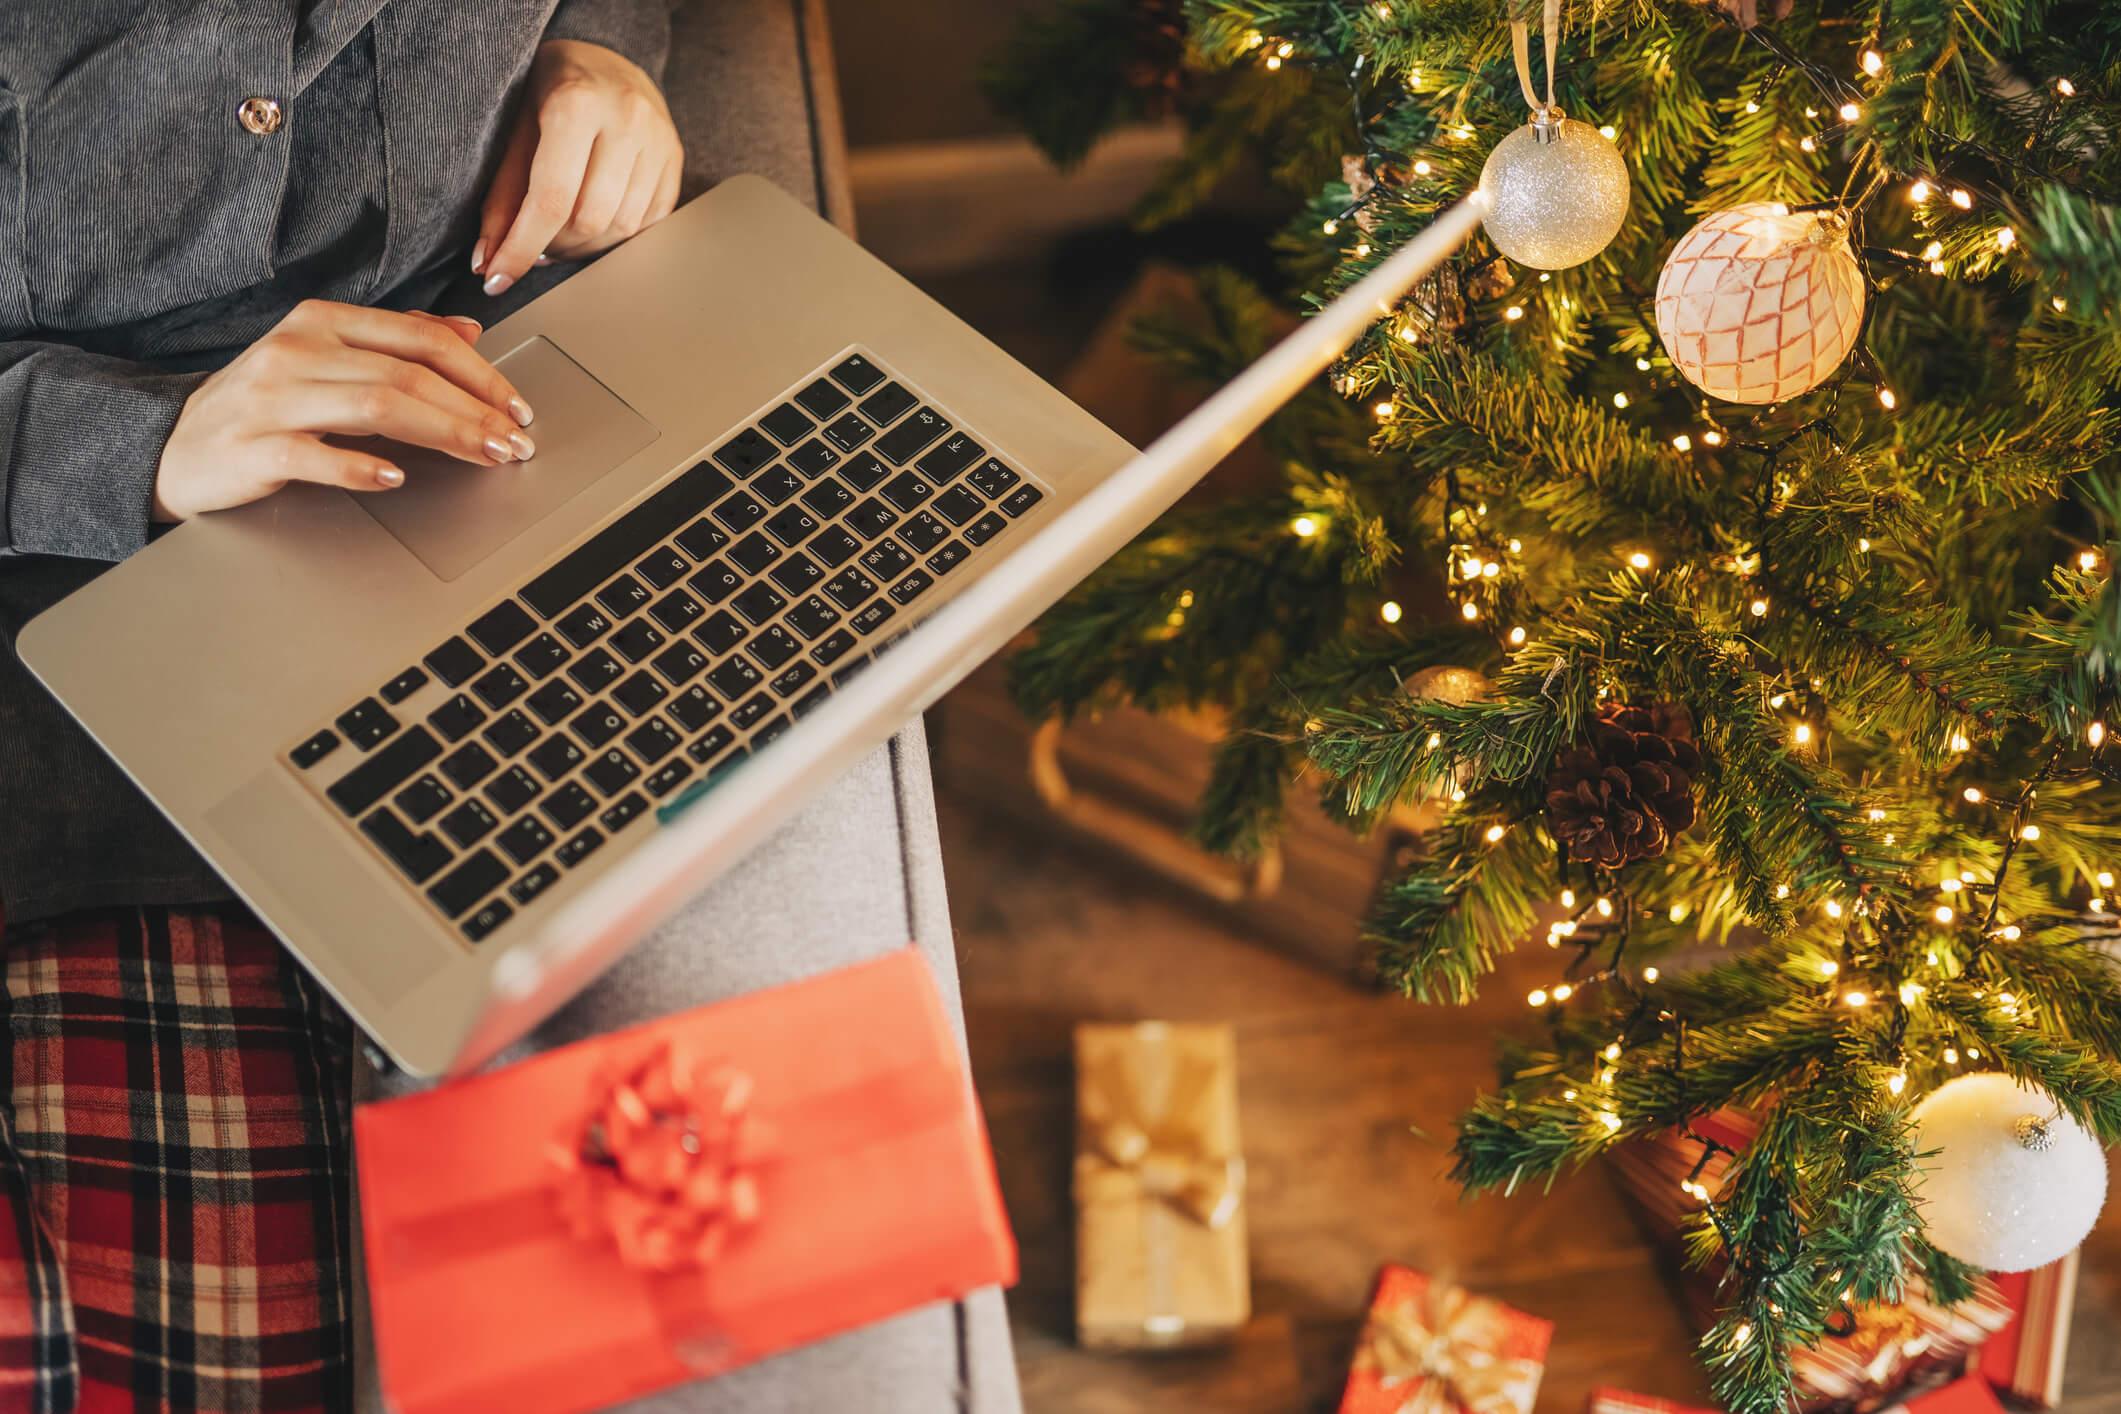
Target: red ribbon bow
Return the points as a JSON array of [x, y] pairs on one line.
[[664, 1163]]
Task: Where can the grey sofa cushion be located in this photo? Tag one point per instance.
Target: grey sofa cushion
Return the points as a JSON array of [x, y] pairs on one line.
[[857, 872]]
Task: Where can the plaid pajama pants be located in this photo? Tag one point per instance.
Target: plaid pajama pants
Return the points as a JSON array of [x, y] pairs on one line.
[[173, 1171]]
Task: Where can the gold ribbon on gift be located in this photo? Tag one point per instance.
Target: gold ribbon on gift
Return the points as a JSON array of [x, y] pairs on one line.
[[1445, 1345]]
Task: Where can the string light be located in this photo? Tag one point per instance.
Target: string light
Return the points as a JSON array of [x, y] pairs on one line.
[[1495, 833], [1639, 559], [1910, 992], [1782, 891], [1650, 974], [1422, 167], [1751, 106], [1896, 1082], [1384, 411], [1807, 144], [1951, 1055], [2029, 833], [1604, 907], [1537, 997], [1828, 967], [1873, 62], [1850, 112], [2087, 560], [2106, 878], [2095, 733], [1610, 1120], [1833, 910], [2065, 88], [1609, 132], [1612, 1051], [1517, 637], [1856, 999], [1389, 611], [2011, 933], [1959, 742], [1802, 734], [1563, 991], [2006, 238], [1758, 608], [1962, 198], [1469, 611], [1683, 443], [1887, 400], [1620, 400], [1712, 437], [1330, 227], [1514, 313], [1972, 795], [1944, 913], [1304, 526]]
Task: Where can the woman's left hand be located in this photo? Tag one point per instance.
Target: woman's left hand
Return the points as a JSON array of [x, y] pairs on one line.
[[593, 159]]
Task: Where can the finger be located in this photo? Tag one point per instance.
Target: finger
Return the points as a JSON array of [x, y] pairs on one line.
[[604, 186], [426, 341], [666, 190], [556, 172], [640, 195], [351, 409], [303, 458], [356, 365], [462, 325], [505, 197]]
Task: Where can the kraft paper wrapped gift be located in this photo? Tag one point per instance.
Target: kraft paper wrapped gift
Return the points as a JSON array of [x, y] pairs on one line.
[[670, 1201], [1433, 1348], [1159, 1186]]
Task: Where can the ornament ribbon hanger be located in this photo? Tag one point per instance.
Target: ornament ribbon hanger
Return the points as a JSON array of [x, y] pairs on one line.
[[1546, 116]]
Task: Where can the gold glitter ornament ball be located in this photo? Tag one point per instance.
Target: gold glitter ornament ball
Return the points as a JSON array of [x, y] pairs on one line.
[[2009, 1183], [1760, 303], [1554, 203]]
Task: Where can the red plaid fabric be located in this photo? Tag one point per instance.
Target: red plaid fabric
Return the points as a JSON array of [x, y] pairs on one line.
[[173, 1171]]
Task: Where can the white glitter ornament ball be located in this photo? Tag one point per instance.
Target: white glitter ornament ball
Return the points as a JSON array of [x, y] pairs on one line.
[[2013, 1183], [1759, 303], [1553, 204]]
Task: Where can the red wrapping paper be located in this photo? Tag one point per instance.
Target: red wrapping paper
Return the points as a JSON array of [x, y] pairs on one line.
[[1968, 1396], [877, 1195], [1429, 1346], [2026, 1357], [1620, 1401]]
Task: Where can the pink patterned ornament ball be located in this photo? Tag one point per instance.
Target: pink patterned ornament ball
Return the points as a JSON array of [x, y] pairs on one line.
[[1760, 303]]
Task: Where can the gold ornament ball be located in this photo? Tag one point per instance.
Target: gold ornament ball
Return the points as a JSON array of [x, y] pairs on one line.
[[1759, 303], [1446, 683], [1556, 193]]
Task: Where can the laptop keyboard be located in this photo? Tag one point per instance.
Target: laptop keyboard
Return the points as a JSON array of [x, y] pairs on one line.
[[667, 646]]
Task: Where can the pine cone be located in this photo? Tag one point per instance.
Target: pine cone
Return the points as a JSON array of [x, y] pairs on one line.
[[1625, 794]]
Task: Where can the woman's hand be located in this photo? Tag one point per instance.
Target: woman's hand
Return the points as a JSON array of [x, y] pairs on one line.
[[594, 159], [343, 369]]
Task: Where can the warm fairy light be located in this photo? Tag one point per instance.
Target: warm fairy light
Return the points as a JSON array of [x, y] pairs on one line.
[[1389, 611], [1950, 886], [1802, 734], [1962, 198], [1782, 891], [1639, 559], [1536, 997], [1422, 167], [1828, 967], [1604, 907], [1683, 443], [1514, 313], [1490, 570], [2087, 560], [2029, 833], [1807, 144], [1713, 438], [1620, 400], [1469, 568], [1304, 526], [1896, 1082], [1285, 49], [1435, 740], [1384, 411], [2065, 88], [1777, 700], [1649, 974], [1642, 365], [1469, 611], [1833, 910], [1330, 226], [1850, 112], [1609, 1119], [1973, 1053], [1362, 248], [1959, 741], [1742, 1334], [1612, 1052], [1568, 898], [1759, 608], [2106, 878], [1495, 832], [1933, 250], [1516, 546], [1517, 637], [1909, 992], [1944, 913], [1856, 999], [2058, 304], [1810, 112], [2011, 933], [1951, 1055], [1972, 795], [1863, 543], [1274, 61], [1563, 991], [2006, 238], [1886, 399], [1918, 191], [1751, 106], [1875, 814], [2095, 733], [1873, 62], [2097, 905]]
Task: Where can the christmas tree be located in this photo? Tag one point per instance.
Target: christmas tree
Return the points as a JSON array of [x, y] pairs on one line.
[[1784, 625]]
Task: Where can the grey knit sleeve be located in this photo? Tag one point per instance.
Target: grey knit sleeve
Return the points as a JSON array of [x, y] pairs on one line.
[[639, 29], [80, 438]]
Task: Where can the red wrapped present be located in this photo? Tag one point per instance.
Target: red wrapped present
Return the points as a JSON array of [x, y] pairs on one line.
[[1968, 1396], [1621, 1401], [673, 1200], [1433, 1348], [2026, 1357]]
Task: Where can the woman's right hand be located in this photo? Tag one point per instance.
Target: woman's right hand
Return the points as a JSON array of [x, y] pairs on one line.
[[345, 370]]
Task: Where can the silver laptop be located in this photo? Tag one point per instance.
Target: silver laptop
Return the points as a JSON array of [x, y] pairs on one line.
[[462, 744]]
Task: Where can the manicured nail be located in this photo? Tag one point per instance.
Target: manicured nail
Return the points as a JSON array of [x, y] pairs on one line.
[[543, 259], [478, 256], [499, 450], [525, 449], [498, 284], [520, 411], [389, 476]]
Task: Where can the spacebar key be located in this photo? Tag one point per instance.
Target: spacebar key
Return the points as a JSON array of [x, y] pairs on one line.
[[625, 540], [385, 771]]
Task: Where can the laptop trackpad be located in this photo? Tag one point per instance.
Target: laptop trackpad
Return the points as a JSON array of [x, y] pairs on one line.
[[452, 514]]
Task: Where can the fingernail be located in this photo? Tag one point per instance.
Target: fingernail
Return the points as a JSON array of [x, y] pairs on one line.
[[499, 450], [498, 284], [478, 255], [543, 259], [525, 449], [465, 319], [389, 476], [520, 411]]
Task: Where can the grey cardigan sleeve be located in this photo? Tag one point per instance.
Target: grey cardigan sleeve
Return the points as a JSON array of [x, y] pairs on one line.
[[639, 29], [81, 435]]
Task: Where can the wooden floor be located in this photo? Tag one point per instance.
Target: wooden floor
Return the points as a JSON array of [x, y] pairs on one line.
[[1348, 1101]]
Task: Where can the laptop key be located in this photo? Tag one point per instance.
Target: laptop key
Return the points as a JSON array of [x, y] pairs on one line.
[[907, 440], [501, 628], [754, 552], [637, 640], [812, 617], [652, 740], [456, 718], [662, 568], [454, 662], [758, 603], [733, 678], [912, 586], [568, 805], [612, 772], [511, 733], [555, 757], [857, 375], [813, 458], [792, 680], [787, 425], [420, 800], [850, 587], [869, 620], [419, 857], [907, 490], [536, 882], [740, 512], [1022, 499], [721, 632], [960, 506], [480, 925], [579, 847], [525, 840], [680, 663], [849, 432], [834, 546], [667, 778], [541, 657], [694, 708], [777, 485], [583, 625], [623, 811], [864, 470], [950, 456], [622, 596], [554, 702], [702, 538], [821, 399], [596, 670], [711, 745], [469, 823], [468, 765], [367, 723], [986, 528], [948, 558], [886, 559], [773, 647], [479, 875], [310, 752], [797, 573], [390, 767], [746, 452], [923, 533], [828, 497], [993, 479], [597, 725], [750, 711], [500, 685], [675, 610], [626, 539], [802, 706], [640, 693], [792, 525], [512, 790], [715, 582], [833, 648], [872, 518], [404, 685], [888, 404]]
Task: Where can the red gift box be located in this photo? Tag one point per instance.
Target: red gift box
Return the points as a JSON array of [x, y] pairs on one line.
[[1621, 1401], [1432, 1346], [2026, 1357], [677, 1199], [1968, 1396]]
